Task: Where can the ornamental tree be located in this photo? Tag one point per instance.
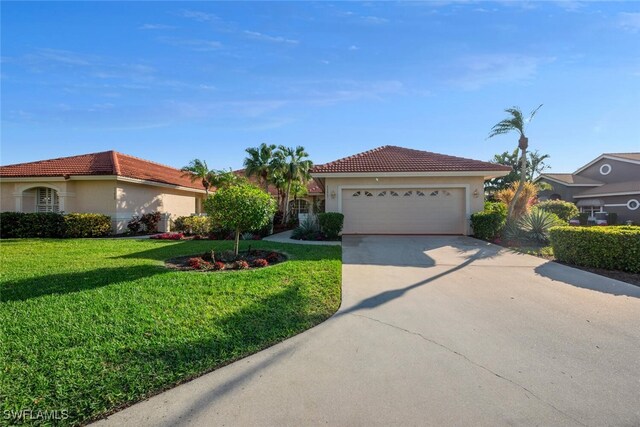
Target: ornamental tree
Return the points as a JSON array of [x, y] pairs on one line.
[[240, 208]]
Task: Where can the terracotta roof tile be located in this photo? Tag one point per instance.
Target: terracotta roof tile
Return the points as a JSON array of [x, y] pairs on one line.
[[313, 186], [104, 163], [390, 158]]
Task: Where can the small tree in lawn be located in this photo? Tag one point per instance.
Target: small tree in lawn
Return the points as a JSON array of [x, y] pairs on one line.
[[240, 208]]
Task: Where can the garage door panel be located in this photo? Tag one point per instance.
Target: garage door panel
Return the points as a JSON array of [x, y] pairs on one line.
[[404, 211]]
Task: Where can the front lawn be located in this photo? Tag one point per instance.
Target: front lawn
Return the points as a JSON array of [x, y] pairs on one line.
[[88, 326]]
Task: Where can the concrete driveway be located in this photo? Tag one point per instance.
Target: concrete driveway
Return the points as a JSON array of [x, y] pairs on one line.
[[436, 331]]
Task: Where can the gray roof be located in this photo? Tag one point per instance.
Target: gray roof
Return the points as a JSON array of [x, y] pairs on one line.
[[628, 156], [570, 179], [611, 189]]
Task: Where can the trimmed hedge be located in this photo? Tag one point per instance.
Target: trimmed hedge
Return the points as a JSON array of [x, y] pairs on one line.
[[331, 224], [564, 210], [56, 225], [87, 225], [200, 225], [487, 224], [611, 248]]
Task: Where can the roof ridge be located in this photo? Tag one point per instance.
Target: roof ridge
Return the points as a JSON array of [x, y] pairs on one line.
[[116, 163]]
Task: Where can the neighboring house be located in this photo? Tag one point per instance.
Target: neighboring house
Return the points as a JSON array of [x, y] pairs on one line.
[[109, 183], [314, 199], [395, 190], [610, 183]]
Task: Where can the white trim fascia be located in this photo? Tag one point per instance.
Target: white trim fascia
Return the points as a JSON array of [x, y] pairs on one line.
[[466, 187], [566, 184], [33, 179], [615, 204], [605, 156], [158, 184], [626, 193], [485, 174]]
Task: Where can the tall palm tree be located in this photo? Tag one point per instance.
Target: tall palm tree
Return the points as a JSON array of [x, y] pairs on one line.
[[198, 170], [259, 162], [295, 165], [516, 122]]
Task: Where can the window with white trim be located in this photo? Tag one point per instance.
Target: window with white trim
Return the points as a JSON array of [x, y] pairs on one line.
[[298, 206], [47, 200]]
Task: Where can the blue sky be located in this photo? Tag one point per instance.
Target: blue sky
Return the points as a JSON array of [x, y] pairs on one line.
[[172, 81]]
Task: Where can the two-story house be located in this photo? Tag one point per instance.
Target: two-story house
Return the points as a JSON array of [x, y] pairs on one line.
[[610, 183]]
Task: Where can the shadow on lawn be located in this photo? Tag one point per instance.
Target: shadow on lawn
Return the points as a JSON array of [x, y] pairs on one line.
[[256, 326], [64, 283]]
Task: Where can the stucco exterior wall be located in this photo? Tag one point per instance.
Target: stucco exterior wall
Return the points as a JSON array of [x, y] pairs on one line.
[[624, 213], [620, 171], [333, 186]]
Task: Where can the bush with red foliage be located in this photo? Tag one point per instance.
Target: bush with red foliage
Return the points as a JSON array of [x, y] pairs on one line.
[[242, 264], [168, 236], [260, 262], [199, 264], [219, 266]]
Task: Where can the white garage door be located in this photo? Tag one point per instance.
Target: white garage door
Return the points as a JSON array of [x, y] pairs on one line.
[[404, 211]]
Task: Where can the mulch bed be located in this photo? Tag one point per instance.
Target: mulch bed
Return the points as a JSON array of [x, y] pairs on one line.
[[623, 276], [225, 261]]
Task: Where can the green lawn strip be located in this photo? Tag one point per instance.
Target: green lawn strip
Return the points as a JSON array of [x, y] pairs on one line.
[[92, 325], [539, 251]]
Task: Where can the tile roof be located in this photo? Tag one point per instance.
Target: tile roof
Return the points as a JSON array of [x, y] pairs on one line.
[[628, 156], [104, 163], [616, 187], [390, 158], [313, 186], [569, 178]]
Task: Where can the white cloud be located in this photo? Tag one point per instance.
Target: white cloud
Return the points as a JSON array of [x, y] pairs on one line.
[[353, 47], [199, 16], [375, 20], [198, 45], [476, 71], [265, 37], [156, 27], [629, 21]]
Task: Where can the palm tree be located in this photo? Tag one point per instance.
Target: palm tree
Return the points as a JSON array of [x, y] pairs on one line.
[[259, 162], [224, 178], [295, 165], [516, 122], [198, 170]]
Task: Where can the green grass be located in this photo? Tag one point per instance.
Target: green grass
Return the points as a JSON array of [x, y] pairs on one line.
[[88, 326], [539, 251]]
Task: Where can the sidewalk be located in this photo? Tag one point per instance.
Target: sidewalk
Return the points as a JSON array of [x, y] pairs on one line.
[[285, 237]]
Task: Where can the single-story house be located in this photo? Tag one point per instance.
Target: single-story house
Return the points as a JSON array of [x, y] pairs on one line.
[[395, 190], [609, 183], [109, 183]]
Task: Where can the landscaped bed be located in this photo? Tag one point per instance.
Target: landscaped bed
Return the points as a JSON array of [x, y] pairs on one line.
[[90, 326]]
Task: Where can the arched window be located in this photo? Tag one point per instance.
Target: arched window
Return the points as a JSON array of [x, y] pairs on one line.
[[297, 207], [47, 200]]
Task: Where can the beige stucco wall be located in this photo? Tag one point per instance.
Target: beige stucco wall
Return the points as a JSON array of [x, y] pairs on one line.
[[471, 184], [118, 199]]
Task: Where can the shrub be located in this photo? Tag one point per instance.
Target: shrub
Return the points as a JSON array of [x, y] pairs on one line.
[[134, 225], [168, 236], [537, 223], [260, 262], [331, 224], [87, 225], [564, 210], [199, 225], [10, 224], [24, 225], [199, 264], [272, 257], [226, 256], [488, 223], [512, 233], [613, 248], [527, 196], [584, 218], [219, 266], [241, 264], [150, 221], [307, 230], [496, 207]]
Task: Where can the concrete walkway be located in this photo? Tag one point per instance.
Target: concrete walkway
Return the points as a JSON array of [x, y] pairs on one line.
[[285, 237], [435, 331]]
